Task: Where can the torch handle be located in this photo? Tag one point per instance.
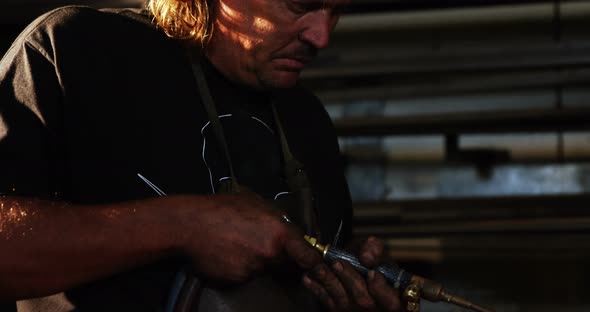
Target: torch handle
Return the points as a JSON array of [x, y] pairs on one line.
[[396, 277]]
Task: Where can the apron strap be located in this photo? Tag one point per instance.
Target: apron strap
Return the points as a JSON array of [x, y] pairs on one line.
[[294, 170], [211, 109], [186, 298], [297, 180]]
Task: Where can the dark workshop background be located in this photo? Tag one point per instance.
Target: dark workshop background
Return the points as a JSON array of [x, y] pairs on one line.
[[465, 126]]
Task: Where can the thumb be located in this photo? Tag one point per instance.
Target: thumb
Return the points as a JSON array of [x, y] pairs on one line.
[[371, 252]]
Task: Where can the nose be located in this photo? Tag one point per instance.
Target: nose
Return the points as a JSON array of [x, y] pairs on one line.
[[318, 28]]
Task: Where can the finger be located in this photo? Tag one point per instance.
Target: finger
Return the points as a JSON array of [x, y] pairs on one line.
[[332, 285], [371, 252], [319, 292], [387, 297], [354, 284], [299, 250]]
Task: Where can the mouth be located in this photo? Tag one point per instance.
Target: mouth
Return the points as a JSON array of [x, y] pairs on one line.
[[292, 64], [295, 59]]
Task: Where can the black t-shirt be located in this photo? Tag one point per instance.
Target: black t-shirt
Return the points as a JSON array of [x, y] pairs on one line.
[[90, 99]]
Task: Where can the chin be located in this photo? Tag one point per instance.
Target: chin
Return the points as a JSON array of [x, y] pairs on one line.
[[281, 80]]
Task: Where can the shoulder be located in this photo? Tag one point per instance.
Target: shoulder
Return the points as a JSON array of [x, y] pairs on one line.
[[83, 25], [66, 17], [77, 15]]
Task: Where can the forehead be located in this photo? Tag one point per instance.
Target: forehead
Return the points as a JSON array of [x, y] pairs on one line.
[[327, 3], [336, 4]]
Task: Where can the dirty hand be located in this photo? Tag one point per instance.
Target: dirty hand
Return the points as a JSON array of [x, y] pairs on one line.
[[231, 237], [339, 287]]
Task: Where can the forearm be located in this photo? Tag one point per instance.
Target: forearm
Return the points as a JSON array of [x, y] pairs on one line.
[[47, 247]]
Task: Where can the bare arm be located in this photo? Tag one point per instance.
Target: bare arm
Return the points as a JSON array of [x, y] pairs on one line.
[[48, 247]]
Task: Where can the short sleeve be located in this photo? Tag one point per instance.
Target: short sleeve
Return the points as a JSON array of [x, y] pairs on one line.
[[30, 97]]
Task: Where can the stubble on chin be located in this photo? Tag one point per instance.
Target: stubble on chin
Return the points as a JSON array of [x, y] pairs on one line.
[[276, 84], [280, 79]]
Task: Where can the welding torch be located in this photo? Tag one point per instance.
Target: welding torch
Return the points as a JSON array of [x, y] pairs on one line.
[[413, 286]]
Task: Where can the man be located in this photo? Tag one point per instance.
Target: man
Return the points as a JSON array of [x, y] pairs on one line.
[[100, 111]]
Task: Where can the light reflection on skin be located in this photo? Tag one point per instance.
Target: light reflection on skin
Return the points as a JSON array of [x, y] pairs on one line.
[[3, 128], [13, 219], [231, 20], [114, 214], [231, 14], [247, 42], [265, 44], [18, 218], [262, 25]]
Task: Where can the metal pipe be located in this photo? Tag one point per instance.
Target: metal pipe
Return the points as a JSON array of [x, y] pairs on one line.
[[436, 19]]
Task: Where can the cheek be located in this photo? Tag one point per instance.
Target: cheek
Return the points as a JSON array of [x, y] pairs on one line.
[[262, 50], [280, 41]]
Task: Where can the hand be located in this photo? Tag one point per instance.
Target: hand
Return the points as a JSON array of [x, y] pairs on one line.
[[231, 237], [341, 288]]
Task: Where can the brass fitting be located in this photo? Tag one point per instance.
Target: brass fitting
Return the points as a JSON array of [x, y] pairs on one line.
[[412, 296], [315, 244]]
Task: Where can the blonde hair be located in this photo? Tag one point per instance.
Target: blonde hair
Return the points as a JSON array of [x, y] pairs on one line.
[[183, 19]]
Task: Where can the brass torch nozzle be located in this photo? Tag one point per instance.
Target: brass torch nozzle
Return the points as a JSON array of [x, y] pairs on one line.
[[315, 244], [434, 292], [463, 302]]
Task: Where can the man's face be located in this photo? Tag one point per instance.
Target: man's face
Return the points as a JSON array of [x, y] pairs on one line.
[[266, 43]]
